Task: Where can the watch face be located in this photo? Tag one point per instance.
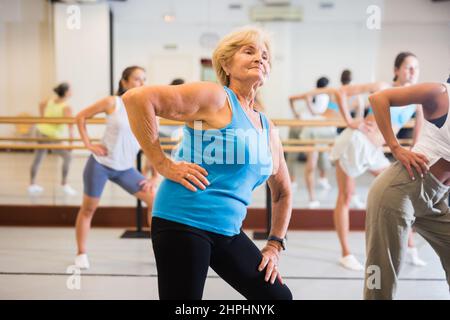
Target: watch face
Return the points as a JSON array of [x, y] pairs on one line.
[[280, 240]]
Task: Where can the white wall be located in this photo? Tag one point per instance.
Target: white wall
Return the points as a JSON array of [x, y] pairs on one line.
[[26, 57], [422, 27], [82, 55], [326, 42]]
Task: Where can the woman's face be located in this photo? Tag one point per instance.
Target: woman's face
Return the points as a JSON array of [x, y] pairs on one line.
[[136, 79], [250, 64], [408, 73]]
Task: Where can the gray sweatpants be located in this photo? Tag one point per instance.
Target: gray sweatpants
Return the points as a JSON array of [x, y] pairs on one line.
[[40, 154], [395, 204]]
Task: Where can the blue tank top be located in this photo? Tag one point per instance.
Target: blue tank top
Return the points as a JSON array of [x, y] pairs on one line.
[[333, 106], [237, 158], [400, 115]]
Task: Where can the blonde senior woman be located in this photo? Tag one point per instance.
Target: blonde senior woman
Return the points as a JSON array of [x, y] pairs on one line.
[[228, 149]]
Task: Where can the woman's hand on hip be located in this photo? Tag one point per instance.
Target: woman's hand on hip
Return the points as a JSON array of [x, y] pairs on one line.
[[189, 175], [98, 149], [270, 262], [411, 159]]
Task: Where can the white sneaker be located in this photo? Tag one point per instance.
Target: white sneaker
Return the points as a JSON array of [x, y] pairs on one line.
[[324, 184], [34, 188], [355, 202], [81, 261], [412, 257], [351, 263], [314, 204], [69, 190]]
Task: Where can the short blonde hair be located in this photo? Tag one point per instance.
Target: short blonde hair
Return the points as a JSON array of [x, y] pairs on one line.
[[231, 43]]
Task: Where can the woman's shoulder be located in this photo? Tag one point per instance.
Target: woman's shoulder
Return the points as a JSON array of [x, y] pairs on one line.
[[45, 101], [111, 101], [206, 92], [216, 90]]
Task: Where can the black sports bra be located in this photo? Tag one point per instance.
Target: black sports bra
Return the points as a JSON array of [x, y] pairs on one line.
[[439, 122]]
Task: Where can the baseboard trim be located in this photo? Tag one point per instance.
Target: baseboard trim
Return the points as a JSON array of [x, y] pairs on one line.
[[125, 217]]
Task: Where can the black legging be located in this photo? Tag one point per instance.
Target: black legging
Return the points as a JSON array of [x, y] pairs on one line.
[[183, 255]]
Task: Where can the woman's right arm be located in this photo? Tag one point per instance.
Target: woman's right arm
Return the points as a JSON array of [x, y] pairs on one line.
[[357, 89], [292, 105], [381, 103], [42, 106], [191, 102], [307, 96], [105, 105]]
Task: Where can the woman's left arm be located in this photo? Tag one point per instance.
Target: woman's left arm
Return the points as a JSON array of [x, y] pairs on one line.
[[381, 103], [279, 184]]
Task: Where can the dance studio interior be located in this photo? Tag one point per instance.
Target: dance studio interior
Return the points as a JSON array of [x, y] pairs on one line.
[[101, 103]]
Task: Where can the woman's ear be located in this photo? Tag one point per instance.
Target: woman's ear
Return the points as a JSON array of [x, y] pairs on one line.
[[225, 68]]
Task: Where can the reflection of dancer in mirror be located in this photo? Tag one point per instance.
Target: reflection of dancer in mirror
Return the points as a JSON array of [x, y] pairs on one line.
[[113, 159], [318, 107], [357, 107], [359, 148], [55, 107], [356, 104]]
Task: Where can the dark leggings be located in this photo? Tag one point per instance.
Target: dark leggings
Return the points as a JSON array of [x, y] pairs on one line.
[[183, 255]]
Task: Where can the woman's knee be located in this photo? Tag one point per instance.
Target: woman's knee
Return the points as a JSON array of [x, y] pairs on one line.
[[345, 196], [276, 291], [147, 197], [310, 167], [284, 293], [88, 208]]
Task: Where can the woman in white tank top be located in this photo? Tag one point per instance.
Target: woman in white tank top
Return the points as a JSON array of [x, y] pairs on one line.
[[358, 149], [317, 106], [113, 159], [414, 191]]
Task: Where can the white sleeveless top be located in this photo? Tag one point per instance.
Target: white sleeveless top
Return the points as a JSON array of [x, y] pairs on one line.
[[434, 142], [119, 140], [320, 104]]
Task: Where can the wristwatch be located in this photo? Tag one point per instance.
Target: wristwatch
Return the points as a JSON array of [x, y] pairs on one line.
[[282, 241]]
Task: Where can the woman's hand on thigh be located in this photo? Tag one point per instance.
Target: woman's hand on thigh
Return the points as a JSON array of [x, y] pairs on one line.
[[270, 262]]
